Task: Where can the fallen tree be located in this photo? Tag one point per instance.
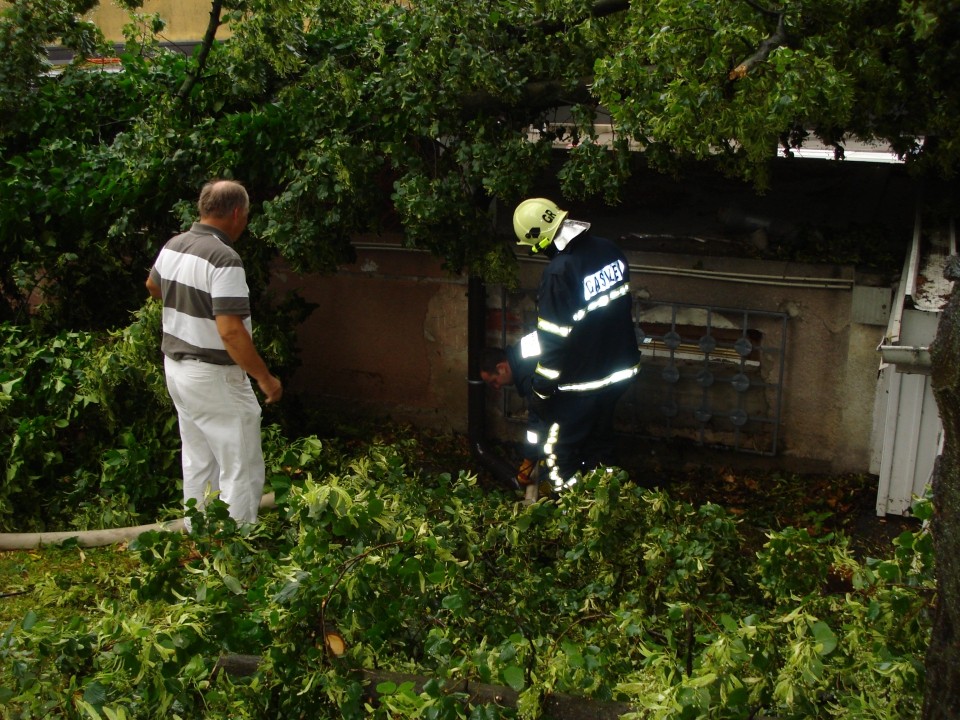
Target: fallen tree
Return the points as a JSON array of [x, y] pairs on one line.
[[555, 705]]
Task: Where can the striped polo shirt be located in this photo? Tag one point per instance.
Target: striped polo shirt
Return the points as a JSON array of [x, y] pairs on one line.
[[200, 276]]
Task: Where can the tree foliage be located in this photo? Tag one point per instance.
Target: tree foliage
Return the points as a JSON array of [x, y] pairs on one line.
[[79, 427], [364, 116], [356, 116], [613, 594], [88, 434]]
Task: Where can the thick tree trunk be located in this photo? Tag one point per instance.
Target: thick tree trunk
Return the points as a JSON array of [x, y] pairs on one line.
[[942, 695]]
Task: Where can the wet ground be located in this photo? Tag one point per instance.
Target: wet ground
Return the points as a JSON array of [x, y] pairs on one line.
[[768, 493]]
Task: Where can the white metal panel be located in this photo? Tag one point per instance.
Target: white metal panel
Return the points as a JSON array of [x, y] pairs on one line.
[[871, 305], [912, 432], [878, 426], [931, 440], [889, 440]]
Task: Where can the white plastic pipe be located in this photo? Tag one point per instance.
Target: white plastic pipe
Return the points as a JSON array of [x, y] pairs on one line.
[[98, 538]]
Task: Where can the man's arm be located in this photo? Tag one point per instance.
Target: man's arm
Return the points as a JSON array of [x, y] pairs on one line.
[[554, 325], [239, 346], [153, 288]]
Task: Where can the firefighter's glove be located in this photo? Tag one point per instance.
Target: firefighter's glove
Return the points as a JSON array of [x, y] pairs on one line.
[[526, 472]]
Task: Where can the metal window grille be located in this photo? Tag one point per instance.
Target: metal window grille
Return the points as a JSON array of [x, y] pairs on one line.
[[709, 374]]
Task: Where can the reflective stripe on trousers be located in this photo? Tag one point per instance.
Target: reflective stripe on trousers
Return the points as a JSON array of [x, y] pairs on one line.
[[581, 434], [559, 482], [220, 430]]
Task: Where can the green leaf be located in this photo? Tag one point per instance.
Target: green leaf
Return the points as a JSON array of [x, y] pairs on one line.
[[89, 710], [888, 571], [574, 655], [513, 676], [922, 508], [826, 639], [29, 620], [453, 602], [233, 585], [95, 694], [701, 680]]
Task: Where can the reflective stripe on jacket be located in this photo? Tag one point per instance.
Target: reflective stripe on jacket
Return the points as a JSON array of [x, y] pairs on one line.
[[585, 319]]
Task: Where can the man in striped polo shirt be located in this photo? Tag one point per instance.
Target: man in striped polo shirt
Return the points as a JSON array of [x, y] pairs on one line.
[[209, 353]]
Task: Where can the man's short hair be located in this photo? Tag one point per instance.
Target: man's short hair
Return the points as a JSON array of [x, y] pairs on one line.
[[491, 357], [219, 198]]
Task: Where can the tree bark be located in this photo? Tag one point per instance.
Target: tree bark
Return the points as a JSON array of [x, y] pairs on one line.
[[555, 705], [942, 693], [193, 77]]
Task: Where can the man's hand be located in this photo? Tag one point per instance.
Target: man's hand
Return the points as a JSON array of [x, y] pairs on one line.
[[239, 345], [272, 389]]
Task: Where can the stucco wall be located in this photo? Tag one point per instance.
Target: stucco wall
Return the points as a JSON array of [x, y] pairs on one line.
[[389, 337], [390, 332], [186, 19], [827, 363], [830, 362]]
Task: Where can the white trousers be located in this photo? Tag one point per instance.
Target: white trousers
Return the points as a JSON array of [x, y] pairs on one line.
[[220, 430]]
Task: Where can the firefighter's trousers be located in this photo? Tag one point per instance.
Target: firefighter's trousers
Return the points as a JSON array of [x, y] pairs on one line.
[[581, 436]]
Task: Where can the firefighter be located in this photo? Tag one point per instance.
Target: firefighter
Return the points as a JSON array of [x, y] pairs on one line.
[[585, 328]]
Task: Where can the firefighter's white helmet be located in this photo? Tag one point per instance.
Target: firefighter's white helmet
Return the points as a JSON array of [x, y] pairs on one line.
[[536, 221]]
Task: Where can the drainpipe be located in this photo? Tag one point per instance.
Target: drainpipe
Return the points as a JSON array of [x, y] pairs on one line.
[[501, 470]]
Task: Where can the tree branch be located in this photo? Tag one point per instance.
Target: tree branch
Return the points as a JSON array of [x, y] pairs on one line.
[[544, 94], [567, 707], [536, 96], [600, 8], [763, 52], [193, 77]]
